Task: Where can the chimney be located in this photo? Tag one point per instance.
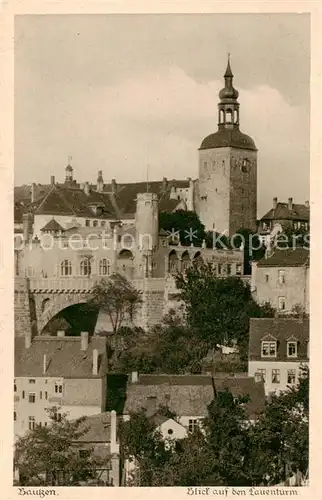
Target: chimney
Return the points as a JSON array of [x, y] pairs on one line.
[[52, 180], [290, 203], [33, 193], [84, 341], [95, 361], [113, 186], [60, 333], [307, 204], [164, 183], [274, 203], [100, 181], [134, 377], [27, 226], [45, 364], [113, 444], [28, 340], [151, 405], [86, 188]]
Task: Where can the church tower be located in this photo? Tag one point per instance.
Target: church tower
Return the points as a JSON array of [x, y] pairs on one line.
[[228, 169]]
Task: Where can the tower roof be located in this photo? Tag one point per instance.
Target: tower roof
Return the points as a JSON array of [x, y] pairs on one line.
[[228, 73], [225, 138]]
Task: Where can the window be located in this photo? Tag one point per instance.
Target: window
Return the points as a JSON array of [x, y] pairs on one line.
[[219, 268], [58, 388], [32, 397], [46, 395], [85, 267], [32, 381], [291, 349], [57, 417], [260, 375], [245, 165], [14, 415], [104, 269], [32, 423], [229, 116], [228, 268], [281, 303], [40, 395], [193, 424], [266, 278], [23, 394], [66, 268], [238, 269], [275, 376], [102, 223], [291, 376], [170, 432], [281, 277], [14, 386], [268, 349], [87, 223], [95, 223]]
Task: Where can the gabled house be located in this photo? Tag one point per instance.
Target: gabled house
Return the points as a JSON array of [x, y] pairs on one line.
[[278, 348]]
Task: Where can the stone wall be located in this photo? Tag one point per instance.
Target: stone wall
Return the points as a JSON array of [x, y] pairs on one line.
[[22, 308]]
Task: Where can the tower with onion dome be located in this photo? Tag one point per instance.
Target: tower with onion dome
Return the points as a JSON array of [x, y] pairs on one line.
[[227, 198]]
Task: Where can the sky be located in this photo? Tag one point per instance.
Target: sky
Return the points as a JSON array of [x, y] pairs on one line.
[[134, 95]]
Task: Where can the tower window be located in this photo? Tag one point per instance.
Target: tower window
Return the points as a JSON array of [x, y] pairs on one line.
[[235, 116], [221, 116], [245, 165], [229, 116]]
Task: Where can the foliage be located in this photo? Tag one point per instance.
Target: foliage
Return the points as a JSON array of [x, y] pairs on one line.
[[227, 450], [119, 299], [218, 309], [254, 249], [50, 455], [187, 223], [170, 347]]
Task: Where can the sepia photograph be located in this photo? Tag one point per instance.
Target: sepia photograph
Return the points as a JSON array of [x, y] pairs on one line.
[[162, 251]]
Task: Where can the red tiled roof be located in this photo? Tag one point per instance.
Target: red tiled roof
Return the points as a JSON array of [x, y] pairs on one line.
[[281, 212], [287, 257], [280, 329]]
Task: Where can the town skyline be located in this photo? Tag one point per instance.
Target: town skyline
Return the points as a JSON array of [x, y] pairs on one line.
[[174, 67]]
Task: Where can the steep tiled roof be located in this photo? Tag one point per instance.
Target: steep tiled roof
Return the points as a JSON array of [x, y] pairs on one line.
[[52, 225], [281, 329], [64, 357], [70, 199], [190, 395], [287, 258], [281, 212]]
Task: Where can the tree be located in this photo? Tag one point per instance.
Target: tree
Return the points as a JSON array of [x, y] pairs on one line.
[[119, 299], [191, 229], [219, 309], [49, 455], [254, 249]]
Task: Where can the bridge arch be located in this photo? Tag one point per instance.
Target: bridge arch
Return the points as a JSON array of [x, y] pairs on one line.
[[57, 304]]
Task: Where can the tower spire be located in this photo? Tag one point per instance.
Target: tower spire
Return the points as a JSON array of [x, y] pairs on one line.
[[228, 73]]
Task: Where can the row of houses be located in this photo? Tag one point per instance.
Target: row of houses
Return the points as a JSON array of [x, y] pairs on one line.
[[71, 374]]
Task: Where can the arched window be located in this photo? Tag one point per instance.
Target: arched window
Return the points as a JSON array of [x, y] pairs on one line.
[[85, 267], [104, 267], [229, 116], [185, 261], [66, 268], [235, 116], [221, 116], [173, 262]]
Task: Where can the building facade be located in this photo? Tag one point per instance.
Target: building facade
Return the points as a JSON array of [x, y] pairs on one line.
[[66, 372], [278, 350], [283, 280]]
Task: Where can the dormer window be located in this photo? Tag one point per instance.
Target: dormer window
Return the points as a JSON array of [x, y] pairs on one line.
[[269, 349], [292, 349]]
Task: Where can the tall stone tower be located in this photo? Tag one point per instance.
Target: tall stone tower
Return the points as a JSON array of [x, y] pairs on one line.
[[228, 170], [147, 221]]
